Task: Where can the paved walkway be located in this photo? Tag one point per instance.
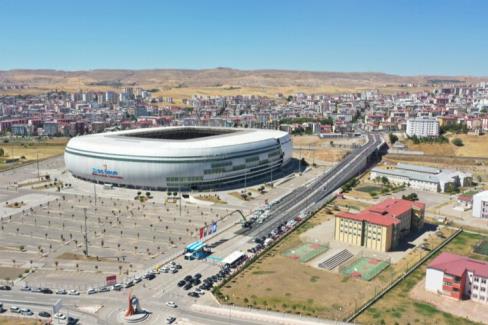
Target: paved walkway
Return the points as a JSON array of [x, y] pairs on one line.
[[260, 316], [469, 309]]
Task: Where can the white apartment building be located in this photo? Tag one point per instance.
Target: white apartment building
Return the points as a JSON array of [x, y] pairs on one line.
[[480, 205], [422, 127]]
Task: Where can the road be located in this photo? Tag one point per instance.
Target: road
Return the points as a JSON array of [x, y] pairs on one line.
[[307, 195]]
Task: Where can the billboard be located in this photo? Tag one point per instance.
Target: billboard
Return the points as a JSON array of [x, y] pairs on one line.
[[111, 280]]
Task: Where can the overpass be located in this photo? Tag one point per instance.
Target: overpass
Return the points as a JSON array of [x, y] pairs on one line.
[[309, 198]]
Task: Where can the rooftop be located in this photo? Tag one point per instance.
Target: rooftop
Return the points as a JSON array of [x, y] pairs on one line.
[[385, 213], [456, 265]]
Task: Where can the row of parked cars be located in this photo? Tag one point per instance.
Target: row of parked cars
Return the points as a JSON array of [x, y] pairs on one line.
[[275, 234], [170, 268], [49, 291], [43, 314]]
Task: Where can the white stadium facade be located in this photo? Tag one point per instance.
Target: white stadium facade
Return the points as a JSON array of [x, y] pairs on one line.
[[179, 158]]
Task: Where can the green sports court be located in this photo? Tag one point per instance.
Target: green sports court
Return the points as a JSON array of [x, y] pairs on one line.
[[306, 252], [366, 268]]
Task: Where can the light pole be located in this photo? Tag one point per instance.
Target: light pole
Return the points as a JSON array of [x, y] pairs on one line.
[[86, 234]]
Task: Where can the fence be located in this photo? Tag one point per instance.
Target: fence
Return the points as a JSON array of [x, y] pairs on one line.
[[402, 277]]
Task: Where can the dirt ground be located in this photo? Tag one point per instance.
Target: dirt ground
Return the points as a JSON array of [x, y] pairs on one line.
[[30, 149], [5, 320], [469, 309], [397, 307], [10, 273], [474, 146]]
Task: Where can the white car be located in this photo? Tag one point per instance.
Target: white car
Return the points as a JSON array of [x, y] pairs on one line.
[[117, 287], [91, 291], [74, 293], [138, 279], [26, 312], [59, 316], [61, 292], [171, 304], [200, 291], [14, 309], [170, 320]]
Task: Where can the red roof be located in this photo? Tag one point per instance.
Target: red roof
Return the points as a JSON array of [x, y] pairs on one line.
[[385, 213], [456, 265]]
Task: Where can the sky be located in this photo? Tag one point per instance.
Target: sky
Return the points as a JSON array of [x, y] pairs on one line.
[[437, 37]]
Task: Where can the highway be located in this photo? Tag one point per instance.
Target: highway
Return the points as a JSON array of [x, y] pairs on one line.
[[305, 196]]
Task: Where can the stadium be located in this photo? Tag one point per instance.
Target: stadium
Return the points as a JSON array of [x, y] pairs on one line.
[[179, 158]]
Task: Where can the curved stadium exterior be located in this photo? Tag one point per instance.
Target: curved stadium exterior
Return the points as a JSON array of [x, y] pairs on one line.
[[178, 158]]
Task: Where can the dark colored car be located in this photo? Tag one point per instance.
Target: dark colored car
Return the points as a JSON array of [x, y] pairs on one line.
[[193, 294], [188, 286], [44, 314], [149, 276], [181, 283], [196, 282], [71, 320], [46, 291], [5, 287], [188, 278], [197, 276]]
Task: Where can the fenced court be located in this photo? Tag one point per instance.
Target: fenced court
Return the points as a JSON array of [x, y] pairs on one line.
[[306, 252], [366, 268], [481, 248]]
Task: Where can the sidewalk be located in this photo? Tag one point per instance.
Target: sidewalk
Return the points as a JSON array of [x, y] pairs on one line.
[[261, 316]]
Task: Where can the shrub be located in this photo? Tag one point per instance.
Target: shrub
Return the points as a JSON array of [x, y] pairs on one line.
[[457, 142]]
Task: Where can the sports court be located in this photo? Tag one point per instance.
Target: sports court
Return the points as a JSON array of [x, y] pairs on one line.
[[366, 268], [306, 252]]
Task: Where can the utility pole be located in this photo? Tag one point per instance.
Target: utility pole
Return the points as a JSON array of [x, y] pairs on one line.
[[86, 234], [95, 192]]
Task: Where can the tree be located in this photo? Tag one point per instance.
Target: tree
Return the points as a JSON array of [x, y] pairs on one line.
[[411, 197], [393, 138], [457, 142], [2, 152]]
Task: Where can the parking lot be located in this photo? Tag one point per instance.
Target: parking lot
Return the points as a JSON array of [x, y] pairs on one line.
[[123, 235]]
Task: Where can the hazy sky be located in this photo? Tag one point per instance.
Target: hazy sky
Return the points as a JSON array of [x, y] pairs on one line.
[[401, 37]]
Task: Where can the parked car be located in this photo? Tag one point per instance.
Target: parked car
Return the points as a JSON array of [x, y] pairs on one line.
[[117, 287], [61, 292], [170, 320], [25, 288], [193, 294], [26, 312], [46, 291], [171, 304], [91, 291], [181, 283], [5, 287], [188, 286], [14, 309], [44, 314], [74, 293], [60, 316]]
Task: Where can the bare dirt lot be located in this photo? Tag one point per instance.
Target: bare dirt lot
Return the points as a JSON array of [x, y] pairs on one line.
[[474, 146]]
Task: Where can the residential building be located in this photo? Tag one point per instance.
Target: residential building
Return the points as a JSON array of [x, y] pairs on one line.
[[422, 127], [480, 205], [381, 226], [459, 277]]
